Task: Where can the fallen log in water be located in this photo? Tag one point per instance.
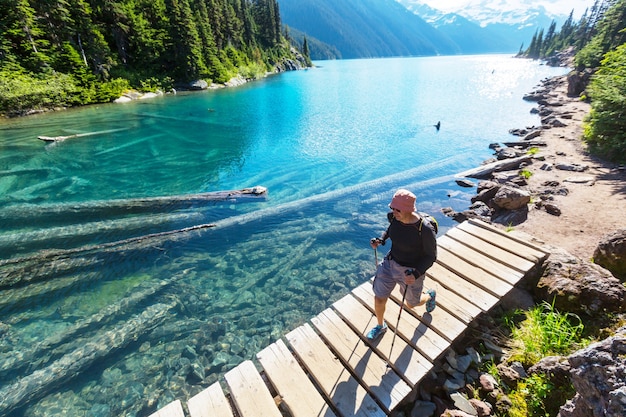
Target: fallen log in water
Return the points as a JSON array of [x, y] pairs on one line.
[[13, 364], [51, 263], [486, 170], [41, 382], [78, 135], [22, 242], [42, 213]]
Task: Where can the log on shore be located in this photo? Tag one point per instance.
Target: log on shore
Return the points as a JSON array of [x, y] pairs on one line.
[[43, 381], [42, 213], [485, 171], [525, 143]]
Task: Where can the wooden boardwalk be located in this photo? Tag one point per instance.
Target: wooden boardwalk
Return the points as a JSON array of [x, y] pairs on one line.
[[328, 368]]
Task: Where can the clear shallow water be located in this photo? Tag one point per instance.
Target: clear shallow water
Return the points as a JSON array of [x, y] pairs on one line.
[[166, 317]]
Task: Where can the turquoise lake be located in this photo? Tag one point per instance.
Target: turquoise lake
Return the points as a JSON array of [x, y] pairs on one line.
[[95, 321]]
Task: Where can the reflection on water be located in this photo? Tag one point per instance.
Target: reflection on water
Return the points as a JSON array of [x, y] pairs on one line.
[[119, 312]]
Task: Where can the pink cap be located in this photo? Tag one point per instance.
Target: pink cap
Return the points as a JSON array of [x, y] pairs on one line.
[[403, 200]]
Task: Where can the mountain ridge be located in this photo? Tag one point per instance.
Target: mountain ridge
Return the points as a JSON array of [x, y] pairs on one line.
[[385, 28]]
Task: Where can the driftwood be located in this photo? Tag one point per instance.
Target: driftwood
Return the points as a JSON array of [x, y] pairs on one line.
[[78, 135], [485, 171], [50, 263], [41, 382], [525, 143], [13, 364], [37, 214]]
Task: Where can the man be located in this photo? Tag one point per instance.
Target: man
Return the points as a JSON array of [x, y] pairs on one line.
[[413, 251]]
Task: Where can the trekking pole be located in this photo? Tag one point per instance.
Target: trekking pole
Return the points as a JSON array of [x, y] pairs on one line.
[[375, 259], [395, 330]]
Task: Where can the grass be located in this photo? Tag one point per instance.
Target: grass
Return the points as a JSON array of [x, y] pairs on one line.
[[545, 332]]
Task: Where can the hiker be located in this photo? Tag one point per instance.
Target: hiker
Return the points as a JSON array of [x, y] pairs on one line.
[[413, 251]]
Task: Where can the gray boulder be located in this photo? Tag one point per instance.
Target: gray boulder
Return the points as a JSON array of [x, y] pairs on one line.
[[579, 287], [611, 253], [510, 198], [599, 376]]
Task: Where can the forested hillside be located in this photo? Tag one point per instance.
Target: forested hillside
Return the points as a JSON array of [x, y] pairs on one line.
[[72, 52], [599, 38], [366, 28]]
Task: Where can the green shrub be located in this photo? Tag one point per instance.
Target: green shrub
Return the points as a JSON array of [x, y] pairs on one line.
[[537, 396], [605, 128]]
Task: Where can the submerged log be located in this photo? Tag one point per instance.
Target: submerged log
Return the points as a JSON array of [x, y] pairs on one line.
[[13, 364], [78, 135], [41, 213], [23, 242], [41, 382], [486, 170], [51, 263]]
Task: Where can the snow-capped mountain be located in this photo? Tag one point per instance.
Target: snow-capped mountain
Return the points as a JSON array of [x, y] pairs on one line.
[[512, 22]]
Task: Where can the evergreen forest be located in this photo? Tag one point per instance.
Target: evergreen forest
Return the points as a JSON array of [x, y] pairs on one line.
[[73, 52], [599, 39]]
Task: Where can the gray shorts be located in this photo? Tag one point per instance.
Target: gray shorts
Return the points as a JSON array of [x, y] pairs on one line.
[[388, 274]]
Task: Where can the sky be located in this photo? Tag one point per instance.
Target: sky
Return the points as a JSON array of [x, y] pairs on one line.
[[560, 7]]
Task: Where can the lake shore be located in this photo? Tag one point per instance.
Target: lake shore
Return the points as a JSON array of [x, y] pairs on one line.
[[590, 210]]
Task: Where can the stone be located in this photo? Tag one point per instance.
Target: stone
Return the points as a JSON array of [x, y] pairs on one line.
[[456, 413], [571, 167], [453, 385], [482, 408], [579, 287], [511, 374], [580, 179], [611, 253], [487, 382], [463, 404], [465, 183], [198, 85], [552, 209], [599, 376], [510, 198], [557, 368], [423, 408]]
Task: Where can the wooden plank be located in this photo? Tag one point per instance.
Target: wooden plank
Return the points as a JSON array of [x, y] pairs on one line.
[[249, 393], [477, 276], [210, 402], [345, 392], [406, 360], [473, 257], [525, 242], [382, 382], [418, 334], [439, 319], [294, 386], [465, 289], [497, 238], [456, 305], [173, 409], [510, 259]]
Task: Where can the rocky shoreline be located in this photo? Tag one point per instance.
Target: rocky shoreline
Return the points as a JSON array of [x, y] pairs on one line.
[[545, 187]]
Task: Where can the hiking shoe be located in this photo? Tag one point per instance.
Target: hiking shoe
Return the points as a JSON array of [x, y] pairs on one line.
[[431, 303], [377, 331]]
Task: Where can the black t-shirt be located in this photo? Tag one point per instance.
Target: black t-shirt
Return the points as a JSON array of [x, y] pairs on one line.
[[412, 247]]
